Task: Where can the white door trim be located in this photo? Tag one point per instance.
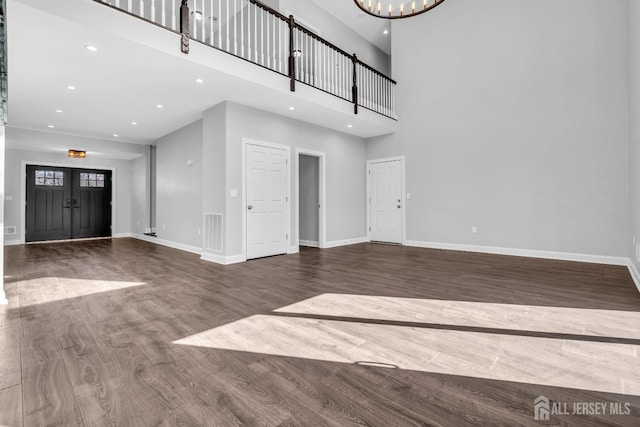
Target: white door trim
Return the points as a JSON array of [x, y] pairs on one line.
[[322, 226], [23, 191], [403, 210], [248, 141]]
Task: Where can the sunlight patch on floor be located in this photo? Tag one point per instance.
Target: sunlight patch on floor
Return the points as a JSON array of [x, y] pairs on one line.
[[557, 320], [549, 361], [50, 289]]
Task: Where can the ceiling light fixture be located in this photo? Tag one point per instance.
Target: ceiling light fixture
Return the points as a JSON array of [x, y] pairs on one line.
[[292, 108], [159, 106], [198, 15], [71, 87], [199, 81], [115, 135], [91, 48], [51, 126], [387, 10], [134, 123], [385, 32], [349, 126], [77, 154], [58, 111]]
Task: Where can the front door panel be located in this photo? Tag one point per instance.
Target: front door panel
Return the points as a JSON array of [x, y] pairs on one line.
[[66, 203]]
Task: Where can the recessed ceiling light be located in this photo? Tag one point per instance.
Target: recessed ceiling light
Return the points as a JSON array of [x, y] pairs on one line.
[[385, 31], [115, 135], [199, 81], [51, 126], [134, 123], [71, 87], [292, 108], [159, 106], [58, 111], [91, 48], [349, 126]]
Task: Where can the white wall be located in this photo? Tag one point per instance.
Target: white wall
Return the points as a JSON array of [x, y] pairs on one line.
[[345, 168], [179, 186], [513, 118], [308, 193], [13, 182], [634, 126]]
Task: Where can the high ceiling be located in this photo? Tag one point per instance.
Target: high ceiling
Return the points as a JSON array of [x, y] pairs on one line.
[[367, 26], [125, 83]]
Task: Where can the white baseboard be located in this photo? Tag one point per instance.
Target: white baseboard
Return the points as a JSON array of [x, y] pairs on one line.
[[346, 242], [14, 242], [148, 230], [4, 301], [530, 253], [221, 259], [310, 243], [169, 244], [293, 250], [122, 235], [635, 275]]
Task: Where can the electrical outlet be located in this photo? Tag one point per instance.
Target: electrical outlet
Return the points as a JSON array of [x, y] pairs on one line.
[[199, 232], [638, 252], [164, 227], [138, 223], [474, 229]]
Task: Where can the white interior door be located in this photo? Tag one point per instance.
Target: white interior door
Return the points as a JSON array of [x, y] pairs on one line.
[[385, 188], [266, 201]]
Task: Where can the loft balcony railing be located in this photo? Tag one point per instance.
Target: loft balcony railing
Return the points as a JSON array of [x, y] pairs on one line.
[[257, 33]]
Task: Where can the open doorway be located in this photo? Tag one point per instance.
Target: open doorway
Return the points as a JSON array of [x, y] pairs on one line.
[[311, 197]]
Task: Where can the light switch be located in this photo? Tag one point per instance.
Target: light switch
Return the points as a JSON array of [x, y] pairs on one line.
[[8, 198], [234, 193], [408, 196]]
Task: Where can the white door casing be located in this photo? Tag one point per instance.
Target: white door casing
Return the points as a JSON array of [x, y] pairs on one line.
[[386, 204], [267, 200]]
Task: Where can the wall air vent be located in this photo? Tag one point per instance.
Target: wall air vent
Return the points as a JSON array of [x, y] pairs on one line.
[[213, 231]]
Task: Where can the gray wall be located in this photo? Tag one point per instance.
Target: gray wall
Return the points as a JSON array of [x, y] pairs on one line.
[[179, 186], [309, 197], [634, 128], [339, 34], [214, 157], [346, 170], [13, 181], [140, 195], [514, 119]]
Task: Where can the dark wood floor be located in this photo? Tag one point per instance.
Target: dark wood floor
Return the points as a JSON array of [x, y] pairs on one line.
[[88, 337]]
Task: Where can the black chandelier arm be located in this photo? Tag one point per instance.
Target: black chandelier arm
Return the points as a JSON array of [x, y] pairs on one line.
[[383, 14]]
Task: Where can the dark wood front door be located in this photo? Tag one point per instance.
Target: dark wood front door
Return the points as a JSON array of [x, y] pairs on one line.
[[66, 203]]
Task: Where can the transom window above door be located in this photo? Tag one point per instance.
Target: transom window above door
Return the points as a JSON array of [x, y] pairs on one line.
[[50, 178], [91, 180]]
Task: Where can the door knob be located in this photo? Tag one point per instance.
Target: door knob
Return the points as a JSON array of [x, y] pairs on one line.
[[399, 206], [249, 207]]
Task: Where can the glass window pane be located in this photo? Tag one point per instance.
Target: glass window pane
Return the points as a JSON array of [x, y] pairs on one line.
[[59, 175], [39, 174], [39, 180], [84, 183], [48, 181], [100, 183], [49, 174]]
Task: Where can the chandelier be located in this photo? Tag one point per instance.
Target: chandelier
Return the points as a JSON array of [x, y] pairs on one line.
[[389, 11]]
